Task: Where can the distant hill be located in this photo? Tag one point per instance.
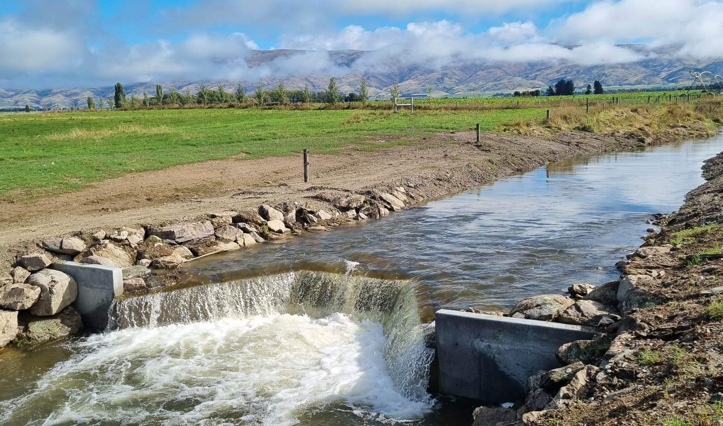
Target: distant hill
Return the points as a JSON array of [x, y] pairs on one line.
[[483, 78]]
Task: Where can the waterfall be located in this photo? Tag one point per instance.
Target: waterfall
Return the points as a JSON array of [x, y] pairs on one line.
[[392, 304]]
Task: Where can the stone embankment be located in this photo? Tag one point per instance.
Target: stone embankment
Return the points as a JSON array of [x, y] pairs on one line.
[[659, 361]]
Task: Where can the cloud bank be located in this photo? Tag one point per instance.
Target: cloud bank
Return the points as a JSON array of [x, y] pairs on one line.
[[60, 45]]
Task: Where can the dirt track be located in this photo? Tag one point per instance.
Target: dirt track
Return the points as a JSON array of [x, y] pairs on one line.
[[451, 161]]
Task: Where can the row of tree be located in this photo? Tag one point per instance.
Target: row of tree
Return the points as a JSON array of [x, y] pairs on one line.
[[206, 96], [567, 88]]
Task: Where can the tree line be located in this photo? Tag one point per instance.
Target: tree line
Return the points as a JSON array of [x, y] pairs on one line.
[[219, 95], [567, 88]]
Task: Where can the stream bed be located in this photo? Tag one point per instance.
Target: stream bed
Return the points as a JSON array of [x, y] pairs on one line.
[[254, 340]]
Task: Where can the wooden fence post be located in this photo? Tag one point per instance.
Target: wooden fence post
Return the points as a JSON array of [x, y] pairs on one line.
[[587, 106], [548, 115], [306, 165], [478, 131]]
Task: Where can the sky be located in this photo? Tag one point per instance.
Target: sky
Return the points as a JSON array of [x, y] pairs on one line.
[[90, 43]]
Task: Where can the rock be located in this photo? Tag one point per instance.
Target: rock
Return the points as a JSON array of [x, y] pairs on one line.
[[136, 271], [544, 308], [394, 203], [20, 275], [218, 222], [5, 279], [307, 217], [167, 262], [579, 385], [228, 233], [18, 297], [645, 252], [247, 216], [144, 262], [352, 202], [290, 218], [606, 294], [399, 195], [223, 214], [553, 380], [350, 214], [537, 400], [580, 350], [257, 237], [269, 213], [121, 257], [134, 285], [632, 292], [99, 236], [44, 329], [97, 260], [207, 247], [53, 245], [73, 245], [323, 215], [185, 232], [35, 261], [580, 290], [486, 416], [277, 226], [246, 228], [619, 345], [247, 240], [715, 398], [57, 291], [589, 313], [8, 327], [317, 228]]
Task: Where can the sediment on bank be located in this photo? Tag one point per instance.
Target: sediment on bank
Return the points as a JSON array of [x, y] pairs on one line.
[[450, 164], [660, 361]]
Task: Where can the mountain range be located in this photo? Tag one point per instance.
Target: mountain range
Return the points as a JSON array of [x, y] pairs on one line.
[[456, 79]]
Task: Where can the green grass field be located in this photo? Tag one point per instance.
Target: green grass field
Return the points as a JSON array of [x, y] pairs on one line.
[[56, 152]]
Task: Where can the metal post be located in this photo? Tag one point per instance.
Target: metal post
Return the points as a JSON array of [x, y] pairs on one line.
[[306, 165], [412, 104], [478, 129]]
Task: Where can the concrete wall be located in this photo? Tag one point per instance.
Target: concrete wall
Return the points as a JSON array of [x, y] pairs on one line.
[[489, 358], [97, 287]]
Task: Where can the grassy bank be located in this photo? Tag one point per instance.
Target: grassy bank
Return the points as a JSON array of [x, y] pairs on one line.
[[64, 151]]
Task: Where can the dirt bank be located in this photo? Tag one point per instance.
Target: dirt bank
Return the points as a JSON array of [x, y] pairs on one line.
[[437, 167]]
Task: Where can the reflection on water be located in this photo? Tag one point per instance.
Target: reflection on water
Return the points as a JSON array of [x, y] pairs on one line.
[[530, 234]]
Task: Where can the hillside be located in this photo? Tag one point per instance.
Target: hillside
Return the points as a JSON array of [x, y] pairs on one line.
[[461, 79]]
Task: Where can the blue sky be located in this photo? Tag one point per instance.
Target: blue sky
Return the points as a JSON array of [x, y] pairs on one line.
[[48, 43]]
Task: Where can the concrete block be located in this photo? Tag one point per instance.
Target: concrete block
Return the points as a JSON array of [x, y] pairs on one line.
[[489, 359], [97, 287]]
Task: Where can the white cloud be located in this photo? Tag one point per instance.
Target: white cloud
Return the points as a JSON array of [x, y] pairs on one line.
[[37, 49], [698, 24]]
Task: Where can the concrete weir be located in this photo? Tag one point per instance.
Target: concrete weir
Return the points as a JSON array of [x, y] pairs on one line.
[[97, 287], [489, 358]]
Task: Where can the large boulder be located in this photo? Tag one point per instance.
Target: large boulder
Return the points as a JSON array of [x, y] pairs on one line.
[[487, 416], [97, 260], [184, 232], [606, 294], [589, 313], [580, 290], [633, 292], [228, 233], [537, 400], [546, 307], [35, 261], [134, 285], [323, 215], [134, 236], [277, 226], [352, 202], [68, 245], [43, 329], [5, 279], [179, 255], [247, 240], [394, 203], [207, 247], [8, 327], [18, 297], [249, 216], [553, 380], [121, 256], [270, 213], [136, 271], [57, 291]]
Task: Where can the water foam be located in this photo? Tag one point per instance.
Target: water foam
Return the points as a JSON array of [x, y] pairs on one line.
[[256, 366]]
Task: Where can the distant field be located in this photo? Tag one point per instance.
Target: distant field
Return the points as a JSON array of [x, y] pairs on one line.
[[55, 152]]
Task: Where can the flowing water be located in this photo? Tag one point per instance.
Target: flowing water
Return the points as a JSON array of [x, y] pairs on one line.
[[256, 339]]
